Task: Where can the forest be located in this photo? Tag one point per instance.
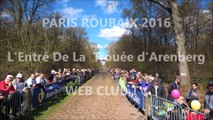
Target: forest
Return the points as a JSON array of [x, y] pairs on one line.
[[195, 24]]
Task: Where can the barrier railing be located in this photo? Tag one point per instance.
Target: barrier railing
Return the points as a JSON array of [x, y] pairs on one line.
[[17, 103], [162, 109], [11, 106], [196, 115], [159, 108]]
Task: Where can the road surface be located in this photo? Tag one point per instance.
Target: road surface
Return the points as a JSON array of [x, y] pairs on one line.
[[95, 106]]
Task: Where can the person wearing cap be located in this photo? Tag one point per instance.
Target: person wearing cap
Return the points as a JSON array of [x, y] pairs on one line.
[[20, 84], [208, 99], [172, 86], [6, 85], [52, 77], [157, 89]]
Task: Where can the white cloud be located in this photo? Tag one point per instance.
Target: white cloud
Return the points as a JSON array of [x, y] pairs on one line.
[[108, 6], [72, 12], [102, 46], [99, 46], [89, 16], [101, 3], [206, 11], [62, 1], [113, 33], [4, 15]]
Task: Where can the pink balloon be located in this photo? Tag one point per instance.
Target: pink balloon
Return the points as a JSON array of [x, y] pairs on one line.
[[175, 94]]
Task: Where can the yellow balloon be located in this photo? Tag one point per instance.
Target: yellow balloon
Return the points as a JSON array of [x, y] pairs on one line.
[[195, 104]]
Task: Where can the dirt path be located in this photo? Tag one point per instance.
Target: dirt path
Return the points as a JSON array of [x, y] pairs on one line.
[[96, 107]]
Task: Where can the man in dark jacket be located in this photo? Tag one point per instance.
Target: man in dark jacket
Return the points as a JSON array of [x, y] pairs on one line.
[[172, 86], [157, 89], [208, 100]]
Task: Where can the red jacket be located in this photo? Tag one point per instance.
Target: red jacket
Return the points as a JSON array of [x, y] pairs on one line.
[[6, 90], [194, 116]]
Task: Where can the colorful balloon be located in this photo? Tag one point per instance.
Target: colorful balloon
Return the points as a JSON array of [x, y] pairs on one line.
[[175, 94], [195, 105]]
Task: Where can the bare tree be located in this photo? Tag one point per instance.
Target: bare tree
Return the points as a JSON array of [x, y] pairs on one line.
[[180, 39]]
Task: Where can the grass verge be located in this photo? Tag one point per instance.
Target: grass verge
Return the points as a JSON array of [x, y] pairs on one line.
[[43, 111]]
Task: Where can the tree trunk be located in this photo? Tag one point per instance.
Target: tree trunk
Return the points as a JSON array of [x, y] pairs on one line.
[[180, 42], [180, 38]]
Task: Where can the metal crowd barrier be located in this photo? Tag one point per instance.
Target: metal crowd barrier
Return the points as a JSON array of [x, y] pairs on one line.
[[10, 107], [17, 103], [162, 109], [196, 115], [158, 108]]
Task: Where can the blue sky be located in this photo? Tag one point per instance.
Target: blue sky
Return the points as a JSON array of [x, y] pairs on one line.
[[89, 9], [100, 9]]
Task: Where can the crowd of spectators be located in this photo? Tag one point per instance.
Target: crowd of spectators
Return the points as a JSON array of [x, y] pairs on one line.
[[24, 86], [154, 85]]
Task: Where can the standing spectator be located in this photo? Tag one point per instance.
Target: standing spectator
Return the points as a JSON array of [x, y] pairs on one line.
[[2, 97], [7, 89], [138, 83], [133, 80], [59, 75], [208, 100], [139, 80], [37, 74], [157, 89], [158, 76], [6, 85], [117, 75], [64, 72], [72, 77], [126, 77], [192, 94], [172, 86], [41, 79], [20, 84], [151, 79], [146, 85], [133, 73], [52, 77], [31, 82]]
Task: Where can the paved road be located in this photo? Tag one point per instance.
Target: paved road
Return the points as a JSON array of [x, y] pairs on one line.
[[97, 107]]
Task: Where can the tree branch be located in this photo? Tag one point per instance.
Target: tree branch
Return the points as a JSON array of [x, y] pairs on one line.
[[167, 8], [186, 2]]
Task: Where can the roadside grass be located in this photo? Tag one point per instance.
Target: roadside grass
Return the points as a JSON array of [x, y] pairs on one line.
[[43, 111]]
